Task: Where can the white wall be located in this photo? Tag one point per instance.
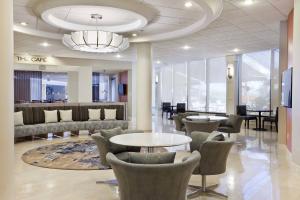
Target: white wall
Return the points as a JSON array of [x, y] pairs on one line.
[[85, 75], [73, 86]]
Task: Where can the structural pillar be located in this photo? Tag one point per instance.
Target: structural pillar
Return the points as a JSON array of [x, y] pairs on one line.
[[6, 101], [85, 81], [73, 87], [232, 84], [296, 85], [144, 87]]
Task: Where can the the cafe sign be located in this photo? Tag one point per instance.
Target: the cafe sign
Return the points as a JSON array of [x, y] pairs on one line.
[[31, 59]]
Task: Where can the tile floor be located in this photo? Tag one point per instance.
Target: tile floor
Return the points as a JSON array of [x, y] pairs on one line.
[[257, 169]]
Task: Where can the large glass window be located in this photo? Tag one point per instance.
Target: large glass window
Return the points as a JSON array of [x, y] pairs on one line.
[[255, 74], [166, 84], [179, 83], [54, 86], [197, 85], [201, 84], [217, 85], [100, 87]]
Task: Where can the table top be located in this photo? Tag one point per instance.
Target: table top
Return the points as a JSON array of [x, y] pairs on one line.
[[150, 139], [259, 110], [206, 117]]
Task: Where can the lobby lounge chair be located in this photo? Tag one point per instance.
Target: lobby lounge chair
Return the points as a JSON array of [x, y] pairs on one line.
[[153, 176], [179, 125], [105, 146], [232, 125], [214, 150], [200, 125]]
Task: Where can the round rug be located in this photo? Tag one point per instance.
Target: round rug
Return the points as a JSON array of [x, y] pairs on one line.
[[76, 155]]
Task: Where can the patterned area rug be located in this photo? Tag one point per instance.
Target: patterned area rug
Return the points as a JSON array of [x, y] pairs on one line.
[[78, 155]]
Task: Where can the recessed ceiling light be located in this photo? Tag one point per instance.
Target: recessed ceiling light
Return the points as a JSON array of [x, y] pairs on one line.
[[186, 47], [188, 4], [45, 44], [134, 34], [158, 62], [248, 2], [236, 50], [24, 23], [118, 56]]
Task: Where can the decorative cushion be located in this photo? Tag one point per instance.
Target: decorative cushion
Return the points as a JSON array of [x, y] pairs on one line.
[[110, 114], [65, 115], [94, 114], [152, 158], [50, 116], [18, 118], [107, 134]]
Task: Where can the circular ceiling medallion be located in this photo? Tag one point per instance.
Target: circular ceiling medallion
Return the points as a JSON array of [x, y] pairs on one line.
[[78, 17]]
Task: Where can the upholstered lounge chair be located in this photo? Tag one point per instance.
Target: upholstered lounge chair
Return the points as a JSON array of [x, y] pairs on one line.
[[143, 179], [214, 150]]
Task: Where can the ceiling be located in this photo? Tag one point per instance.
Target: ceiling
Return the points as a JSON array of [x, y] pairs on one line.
[[248, 28]]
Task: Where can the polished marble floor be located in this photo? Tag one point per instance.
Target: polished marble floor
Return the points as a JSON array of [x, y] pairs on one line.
[[257, 169]]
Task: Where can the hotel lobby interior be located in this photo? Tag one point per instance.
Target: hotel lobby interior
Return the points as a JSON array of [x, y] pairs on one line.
[[150, 99]]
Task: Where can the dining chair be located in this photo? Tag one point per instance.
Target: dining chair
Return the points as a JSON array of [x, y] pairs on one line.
[[166, 108], [180, 108], [242, 111], [272, 119]]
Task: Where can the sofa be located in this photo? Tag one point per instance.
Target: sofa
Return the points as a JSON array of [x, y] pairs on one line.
[[34, 118]]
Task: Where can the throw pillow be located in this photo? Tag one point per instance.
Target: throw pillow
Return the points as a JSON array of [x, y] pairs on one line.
[[110, 114], [107, 134], [65, 115], [152, 158], [50, 116], [18, 118], [94, 114]]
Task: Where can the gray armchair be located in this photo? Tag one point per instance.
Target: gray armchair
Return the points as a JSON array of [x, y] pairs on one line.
[[150, 181], [200, 125], [214, 150], [104, 145], [179, 125], [232, 125]]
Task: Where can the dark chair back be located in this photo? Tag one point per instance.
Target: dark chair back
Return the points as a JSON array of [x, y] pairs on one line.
[[276, 115], [166, 106], [180, 107], [241, 110]]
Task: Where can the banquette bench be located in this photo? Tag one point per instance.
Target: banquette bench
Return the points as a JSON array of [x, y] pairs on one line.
[[34, 118]]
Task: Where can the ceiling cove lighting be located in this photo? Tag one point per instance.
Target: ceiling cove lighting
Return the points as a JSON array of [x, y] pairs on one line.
[[188, 4], [186, 47], [248, 2], [236, 50], [45, 44], [23, 23], [95, 41]]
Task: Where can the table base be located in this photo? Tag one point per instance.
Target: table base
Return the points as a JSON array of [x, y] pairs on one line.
[[260, 129]]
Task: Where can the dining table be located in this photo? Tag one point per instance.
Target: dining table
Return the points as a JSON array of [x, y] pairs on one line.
[[150, 141], [259, 111], [206, 118]]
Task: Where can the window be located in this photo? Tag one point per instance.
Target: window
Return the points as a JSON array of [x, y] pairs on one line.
[[201, 84], [255, 72], [100, 88], [179, 83], [217, 84], [54, 86], [166, 84], [197, 85]]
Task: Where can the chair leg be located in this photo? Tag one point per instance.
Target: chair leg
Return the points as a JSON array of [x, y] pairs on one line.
[[256, 122], [271, 126], [204, 190], [276, 125], [248, 124]]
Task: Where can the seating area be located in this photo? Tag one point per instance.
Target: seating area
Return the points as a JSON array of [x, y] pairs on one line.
[[35, 121], [149, 100]]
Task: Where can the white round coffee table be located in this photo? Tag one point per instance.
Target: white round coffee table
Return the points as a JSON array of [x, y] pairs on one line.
[[150, 140], [206, 117]]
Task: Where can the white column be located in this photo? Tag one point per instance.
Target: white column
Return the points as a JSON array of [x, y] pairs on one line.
[[6, 101], [129, 95], [72, 87], [232, 84], [296, 85], [85, 81], [144, 87]]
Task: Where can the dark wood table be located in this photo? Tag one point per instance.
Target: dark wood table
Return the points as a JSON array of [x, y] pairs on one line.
[[260, 118]]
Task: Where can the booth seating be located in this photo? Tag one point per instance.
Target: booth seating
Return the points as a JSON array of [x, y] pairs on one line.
[[34, 118]]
